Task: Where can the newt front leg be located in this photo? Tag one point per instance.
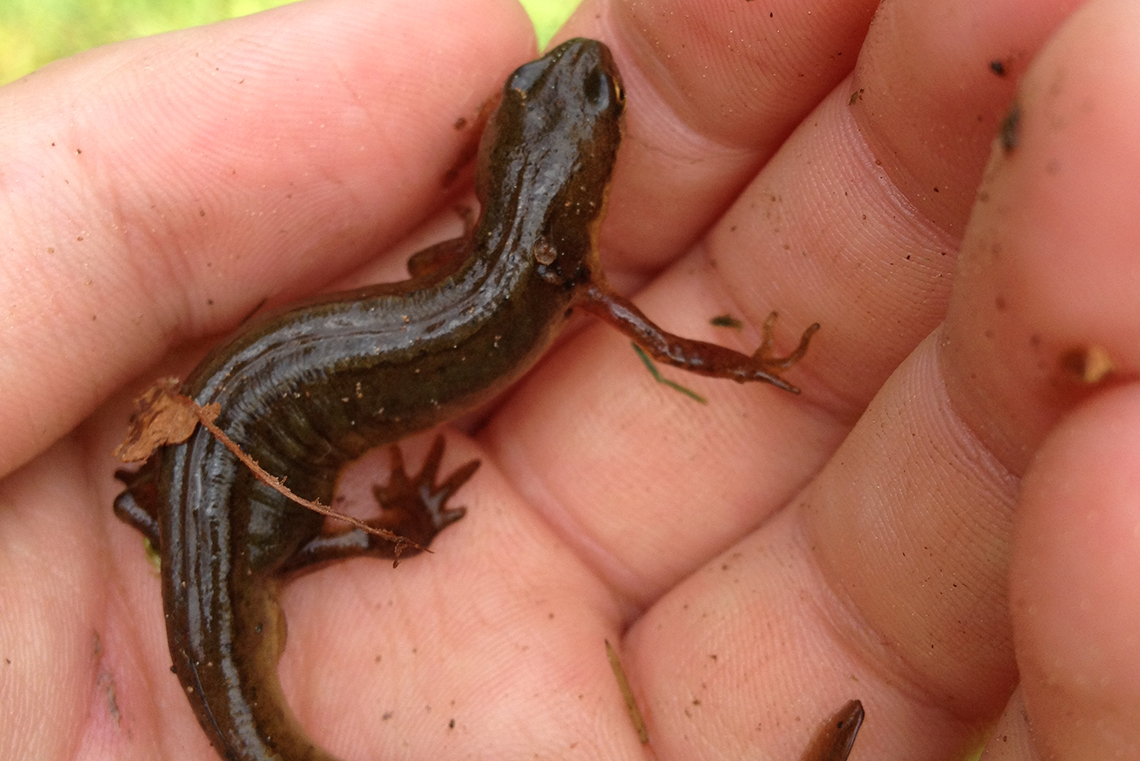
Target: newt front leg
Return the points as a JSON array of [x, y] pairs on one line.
[[698, 357]]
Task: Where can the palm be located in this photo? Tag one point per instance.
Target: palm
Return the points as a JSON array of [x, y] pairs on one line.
[[760, 560]]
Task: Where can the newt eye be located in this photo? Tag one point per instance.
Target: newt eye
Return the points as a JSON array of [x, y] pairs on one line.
[[596, 89]]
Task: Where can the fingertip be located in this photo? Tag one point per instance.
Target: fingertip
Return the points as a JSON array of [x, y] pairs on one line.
[[1074, 597], [1048, 265]]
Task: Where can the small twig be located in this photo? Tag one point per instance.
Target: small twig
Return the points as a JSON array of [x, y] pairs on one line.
[[657, 376], [627, 694], [278, 484]]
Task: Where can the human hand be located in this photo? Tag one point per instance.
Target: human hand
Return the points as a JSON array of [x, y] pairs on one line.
[[765, 557]]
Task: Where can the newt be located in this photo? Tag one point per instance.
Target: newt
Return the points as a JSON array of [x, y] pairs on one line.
[[308, 390]]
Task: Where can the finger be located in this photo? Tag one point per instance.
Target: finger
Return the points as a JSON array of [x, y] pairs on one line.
[[713, 90], [1052, 283], [53, 566], [887, 583], [1063, 290], [1074, 597], [852, 253], [161, 188], [955, 426], [1009, 740]]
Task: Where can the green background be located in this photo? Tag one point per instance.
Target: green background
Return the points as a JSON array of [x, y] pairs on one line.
[[34, 32]]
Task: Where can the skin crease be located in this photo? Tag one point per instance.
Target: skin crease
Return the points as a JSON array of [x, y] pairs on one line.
[[760, 560]]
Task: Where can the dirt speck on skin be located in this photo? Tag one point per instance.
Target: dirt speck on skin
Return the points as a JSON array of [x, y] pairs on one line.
[[105, 681], [1010, 130], [1088, 364]]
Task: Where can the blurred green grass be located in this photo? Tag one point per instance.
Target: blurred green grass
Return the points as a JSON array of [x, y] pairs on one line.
[[36, 32]]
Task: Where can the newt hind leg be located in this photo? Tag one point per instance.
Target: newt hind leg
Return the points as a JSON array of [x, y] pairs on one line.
[[137, 505], [688, 354], [413, 508]]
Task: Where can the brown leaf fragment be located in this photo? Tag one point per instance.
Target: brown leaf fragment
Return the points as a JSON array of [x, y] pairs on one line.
[[162, 416]]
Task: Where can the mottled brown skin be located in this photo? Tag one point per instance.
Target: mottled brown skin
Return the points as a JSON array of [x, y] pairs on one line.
[[308, 390]]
